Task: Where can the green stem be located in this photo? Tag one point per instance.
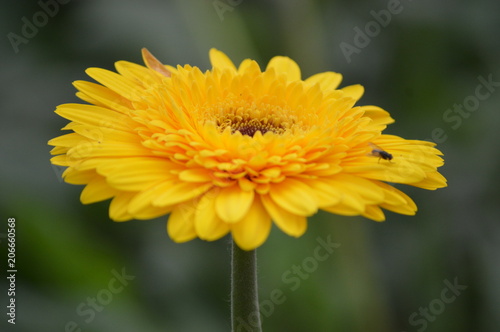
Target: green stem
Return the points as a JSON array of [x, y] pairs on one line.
[[245, 316]]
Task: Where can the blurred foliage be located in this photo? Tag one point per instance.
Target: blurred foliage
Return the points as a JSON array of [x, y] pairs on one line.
[[424, 61]]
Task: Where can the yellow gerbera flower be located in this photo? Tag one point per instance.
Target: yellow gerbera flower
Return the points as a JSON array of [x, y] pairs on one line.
[[233, 149]]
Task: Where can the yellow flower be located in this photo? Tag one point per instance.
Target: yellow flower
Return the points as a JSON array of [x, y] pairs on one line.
[[234, 149]]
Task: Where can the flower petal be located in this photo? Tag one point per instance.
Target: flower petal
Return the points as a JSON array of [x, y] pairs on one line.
[[138, 175], [295, 197], [143, 201], [397, 201], [178, 192], [74, 176], [121, 85], [254, 228], [221, 60], [285, 65], [94, 116], [327, 80], [207, 224], [354, 91], [180, 225], [373, 212], [350, 206], [232, 203], [196, 175], [118, 209], [291, 224], [326, 193], [68, 140], [97, 190], [103, 96], [380, 117], [432, 181], [366, 189], [154, 63]]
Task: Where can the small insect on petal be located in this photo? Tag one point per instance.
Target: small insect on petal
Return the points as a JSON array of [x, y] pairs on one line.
[[377, 151]]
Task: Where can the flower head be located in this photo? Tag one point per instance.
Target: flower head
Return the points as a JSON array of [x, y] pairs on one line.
[[234, 149]]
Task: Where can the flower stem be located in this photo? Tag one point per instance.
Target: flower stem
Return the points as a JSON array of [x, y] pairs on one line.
[[245, 314]]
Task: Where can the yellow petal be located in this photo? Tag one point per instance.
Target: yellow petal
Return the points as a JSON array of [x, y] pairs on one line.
[[373, 212], [232, 203], [399, 170], [137, 73], [380, 117], [143, 201], [249, 67], [254, 228], [109, 149], [401, 209], [103, 96], [118, 209], [351, 202], [291, 224], [97, 190], [61, 160], [432, 181], [207, 224], [326, 193], [138, 175], [354, 91], [392, 195], [196, 175], [180, 225], [178, 192], [246, 185], [408, 207], [68, 140], [327, 80], [348, 207], [121, 85], [103, 133], [294, 196], [220, 60], [366, 189], [141, 206], [285, 65], [152, 212], [74, 176], [94, 116]]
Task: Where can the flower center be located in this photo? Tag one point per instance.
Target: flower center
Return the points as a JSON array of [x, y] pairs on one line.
[[248, 125], [248, 117]]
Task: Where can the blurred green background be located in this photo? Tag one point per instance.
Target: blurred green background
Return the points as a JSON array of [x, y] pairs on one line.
[[423, 59]]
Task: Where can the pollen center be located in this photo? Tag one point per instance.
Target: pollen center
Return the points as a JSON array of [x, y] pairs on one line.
[[248, 125], [249, 117]]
